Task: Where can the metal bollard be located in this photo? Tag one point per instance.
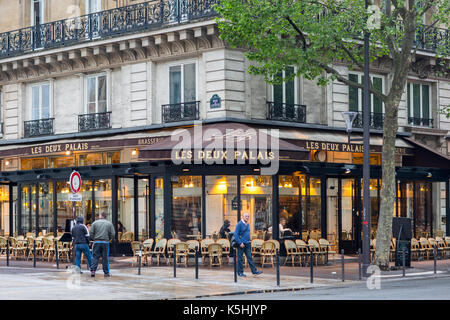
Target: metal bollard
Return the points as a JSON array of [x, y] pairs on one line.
[[435, 261], [196, 262], [174, 260], [403, 262], [56, 254], [343, 270], [359, 264], [311, 265], [278, 267], [235, 264], [7, 252], [140, 259], [34, 253]]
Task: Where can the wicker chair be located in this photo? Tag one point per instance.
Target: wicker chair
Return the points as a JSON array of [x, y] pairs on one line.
[[302, 249], [3, 246], [215, 254], [170, 244], [136, 249], [192, 245], [318, 253], [147, 247], [182, 251], [127, 237], [268, 251], [226, 248], [158, 251], [425, 247], [204, 248], [291, 252]]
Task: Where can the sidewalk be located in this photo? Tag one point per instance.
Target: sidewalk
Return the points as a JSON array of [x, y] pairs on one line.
[[157, 282]]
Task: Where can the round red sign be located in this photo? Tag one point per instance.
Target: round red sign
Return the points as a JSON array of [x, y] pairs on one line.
[[75, 182]]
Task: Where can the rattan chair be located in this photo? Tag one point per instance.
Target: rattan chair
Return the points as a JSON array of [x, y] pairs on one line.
[[425, 247], [136, 249], [318, 253], [127, 237], [204, 248], [415, 249], [291, 252], [302, 249], [3, 245], [170, 247], [192, 245], [181, 251], [215, 254], [268, 251], [158, 251], [226, 248], [147, 247]]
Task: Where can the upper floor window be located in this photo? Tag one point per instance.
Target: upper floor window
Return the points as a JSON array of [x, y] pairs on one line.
[[40, 101], [419, 104], [96, 93], [286, 91], [37, 12], [93, 6], [182, 83], [1, 111], [356, 95]]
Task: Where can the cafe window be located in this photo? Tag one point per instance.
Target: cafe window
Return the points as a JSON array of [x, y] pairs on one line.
[[89, 159], [289, 205], [256, 198], [186, 207], [61, 162], [311, 219], [419, 103], [285, 92], [32, 163], [159, 208], [356, 95], [182, 83], [125, 224], [96, 93], [40, 101]]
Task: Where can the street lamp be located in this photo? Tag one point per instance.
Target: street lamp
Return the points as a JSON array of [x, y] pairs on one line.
[[349, 117]]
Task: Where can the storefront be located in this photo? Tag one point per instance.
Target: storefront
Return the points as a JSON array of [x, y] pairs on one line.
[[316, 191]]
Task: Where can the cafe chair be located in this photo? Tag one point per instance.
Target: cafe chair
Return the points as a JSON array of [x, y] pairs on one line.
[[425, 247], [192, 244], [318, 253], [127, 237], [181, 252], [3, 245], [415, 249], [326, 248], [268, 251], [170, 243], [204, 248], [434, 243], [226, 248], [135, 248], [147, 247], [158, 251], [215, 254], [447, 245], [302, 249], [291, 251], [392, 249]]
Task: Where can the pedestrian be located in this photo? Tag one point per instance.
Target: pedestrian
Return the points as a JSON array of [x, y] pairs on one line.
[[242, 236], [225, 229], [80, 236], [102, 232]]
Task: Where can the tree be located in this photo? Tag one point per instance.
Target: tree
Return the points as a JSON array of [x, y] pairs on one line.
[[313, 35]]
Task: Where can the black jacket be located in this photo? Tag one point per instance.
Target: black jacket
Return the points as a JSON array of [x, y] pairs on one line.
[[80, 234]]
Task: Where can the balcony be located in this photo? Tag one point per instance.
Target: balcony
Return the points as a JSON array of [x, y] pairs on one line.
[[94, 121], [180, 111], [423, 122], [36, 128], [376, 120], [286, 112], [103, 24]]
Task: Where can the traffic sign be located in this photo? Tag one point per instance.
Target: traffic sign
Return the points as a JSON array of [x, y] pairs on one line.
[[75, 197], [75, 182]]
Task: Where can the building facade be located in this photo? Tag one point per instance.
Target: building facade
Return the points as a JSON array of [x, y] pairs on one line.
[[101, 86]]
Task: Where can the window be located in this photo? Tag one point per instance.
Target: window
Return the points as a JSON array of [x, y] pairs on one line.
[[286, 91], [356, 95], [182, 83], [96, 94], [40, 101], [37, 12], [419, 102], [1, 111], [93, 6]]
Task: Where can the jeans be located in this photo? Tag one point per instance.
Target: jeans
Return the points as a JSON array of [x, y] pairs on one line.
[[100, 248], [82, 248], [248, 254]]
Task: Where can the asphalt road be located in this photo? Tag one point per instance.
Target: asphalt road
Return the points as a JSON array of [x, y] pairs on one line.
[[429, 288]]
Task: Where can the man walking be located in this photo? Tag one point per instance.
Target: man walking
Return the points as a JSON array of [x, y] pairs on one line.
[[80, 236], [102, 232], [242, 236]]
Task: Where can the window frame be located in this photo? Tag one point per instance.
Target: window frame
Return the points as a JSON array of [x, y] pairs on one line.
[[86, 93], [182, 64], [361, 91], [98, 4], [32, 16], [296, 100], [50, 100], [410, 104]]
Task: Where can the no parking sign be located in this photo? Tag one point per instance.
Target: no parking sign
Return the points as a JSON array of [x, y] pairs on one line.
[[75, 182]]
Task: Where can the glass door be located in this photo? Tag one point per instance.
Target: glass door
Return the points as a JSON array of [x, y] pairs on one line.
[[350, 215]]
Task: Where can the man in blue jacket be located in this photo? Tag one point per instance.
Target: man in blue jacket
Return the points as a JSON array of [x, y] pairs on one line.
[[242, 236]]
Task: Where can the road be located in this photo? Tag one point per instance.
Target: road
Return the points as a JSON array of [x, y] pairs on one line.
[[429, 288]]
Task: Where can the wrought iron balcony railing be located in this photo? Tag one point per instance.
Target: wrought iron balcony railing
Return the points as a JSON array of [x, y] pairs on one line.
[[286, 112], [103, 24], [424, 122], [94, 121], [428, 39], [180, 111], [35, 128], [376, 120]]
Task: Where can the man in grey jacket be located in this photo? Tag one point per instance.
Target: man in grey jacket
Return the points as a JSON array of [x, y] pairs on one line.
[[101, 232]]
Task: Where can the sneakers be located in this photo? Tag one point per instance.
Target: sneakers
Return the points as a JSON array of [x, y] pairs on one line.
[[242, 275], [92, 274], [257, 272], [107, 275]]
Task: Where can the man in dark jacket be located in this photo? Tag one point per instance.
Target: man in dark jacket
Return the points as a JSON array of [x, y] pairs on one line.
[[242, 236], [102, 232], [80, 236]]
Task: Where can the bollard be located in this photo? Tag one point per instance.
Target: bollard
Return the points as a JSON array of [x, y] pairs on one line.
[[235, 264], [34, 254], [196, 262], [343, 270], [174, 260], [434, 256], [278, 268], [56, 254], [140, 259], [403, 262], [7, 252], [359, 264], [311, 265]]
